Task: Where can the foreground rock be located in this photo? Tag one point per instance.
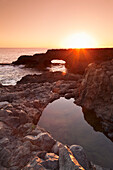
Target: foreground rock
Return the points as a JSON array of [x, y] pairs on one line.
[[80, 155], [23, 144], [43, 140], [97, 95], [67, 160]]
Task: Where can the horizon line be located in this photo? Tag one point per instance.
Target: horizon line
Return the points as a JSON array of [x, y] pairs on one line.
[[109, 47]]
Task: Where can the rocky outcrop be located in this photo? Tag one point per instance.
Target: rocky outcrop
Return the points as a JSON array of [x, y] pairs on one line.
[[80, 156], [23, 144], [49, 77], [96, 94], [43, 140], [67, 160], [76, 59]]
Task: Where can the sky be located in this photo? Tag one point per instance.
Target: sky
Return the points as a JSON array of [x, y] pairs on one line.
[[53, 23]]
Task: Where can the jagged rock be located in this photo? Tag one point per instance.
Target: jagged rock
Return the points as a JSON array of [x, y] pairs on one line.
[[79, 154], [4, 130], [21, 155], [110, 135], [25, 129], [44, 160], [67, 161], [69, 95], [4, 141], [42, 154], [21, 140], [74, 64], [4, 113], [96, 93], [51, 156], [35, 164], [5, 156], [3, 104], [13, 122], [53, 97], [43, 140], [36, 130], [51, 161], [56, 147], [37, 104], [51, 164], [36, 117], [23, 117]]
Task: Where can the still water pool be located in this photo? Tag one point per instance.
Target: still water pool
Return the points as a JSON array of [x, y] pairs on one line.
[[65, 121]]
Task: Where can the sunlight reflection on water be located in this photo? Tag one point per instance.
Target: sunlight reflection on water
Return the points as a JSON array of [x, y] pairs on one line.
[[58, 65], [58, 62], [9, 75]]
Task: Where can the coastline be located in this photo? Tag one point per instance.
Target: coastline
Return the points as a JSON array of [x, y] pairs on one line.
[[21, 107]]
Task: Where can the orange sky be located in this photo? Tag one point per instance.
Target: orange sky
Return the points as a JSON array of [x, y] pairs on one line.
[[47, 23]]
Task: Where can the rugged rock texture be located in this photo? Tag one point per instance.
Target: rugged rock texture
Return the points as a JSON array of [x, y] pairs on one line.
[[96, 94], [67, 160], [43, 140], [76, 59], [50, 77], [80, 156], [23, 144]]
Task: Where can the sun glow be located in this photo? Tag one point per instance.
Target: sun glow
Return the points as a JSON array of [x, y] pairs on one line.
[[80, 40]]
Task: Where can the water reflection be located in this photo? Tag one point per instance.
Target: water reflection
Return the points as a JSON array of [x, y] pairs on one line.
[[58, 62], [54, 68], [57, 65], [66, 122]]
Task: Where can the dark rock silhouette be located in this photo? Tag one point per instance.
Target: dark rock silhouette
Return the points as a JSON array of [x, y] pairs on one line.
[[76, 59]]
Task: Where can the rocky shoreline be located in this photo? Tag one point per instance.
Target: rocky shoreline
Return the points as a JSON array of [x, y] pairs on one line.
[[25, 145], [76, 59]]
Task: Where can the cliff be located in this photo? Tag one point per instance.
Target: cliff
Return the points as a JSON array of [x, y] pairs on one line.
[[96, 95]]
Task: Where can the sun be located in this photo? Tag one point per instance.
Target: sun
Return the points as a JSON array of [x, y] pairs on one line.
[[79, 40]]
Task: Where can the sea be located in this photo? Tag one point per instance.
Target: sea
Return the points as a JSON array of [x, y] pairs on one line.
[[9, 74], [99, 148]]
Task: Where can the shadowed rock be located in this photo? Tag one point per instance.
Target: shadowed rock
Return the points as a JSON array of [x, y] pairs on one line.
[[23, 144], [67, 161], [43, 140], [80, 155], [76, 59], [96, 94]]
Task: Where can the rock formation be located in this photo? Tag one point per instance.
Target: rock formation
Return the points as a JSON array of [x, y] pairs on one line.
[[96, 94], [76, 59], [23, 144]]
